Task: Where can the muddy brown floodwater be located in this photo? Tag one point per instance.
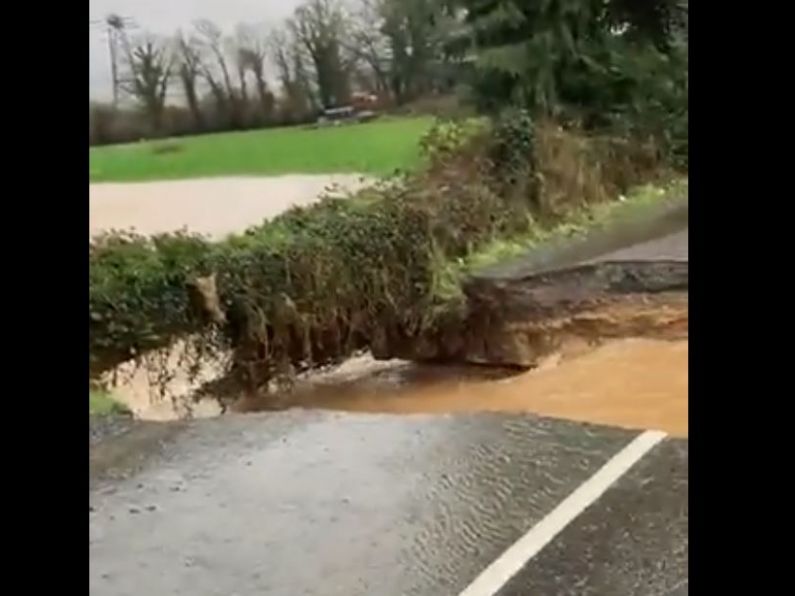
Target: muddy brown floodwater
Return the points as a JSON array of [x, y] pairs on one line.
[[212, 206], [632, 383]]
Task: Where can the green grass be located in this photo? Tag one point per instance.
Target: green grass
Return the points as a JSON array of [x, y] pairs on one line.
[[100, 403], [375, 148]]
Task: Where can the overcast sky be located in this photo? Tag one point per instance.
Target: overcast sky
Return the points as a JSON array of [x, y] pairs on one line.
[[165, 17]]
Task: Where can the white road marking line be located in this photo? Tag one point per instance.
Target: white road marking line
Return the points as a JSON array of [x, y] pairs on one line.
[[496, 575]]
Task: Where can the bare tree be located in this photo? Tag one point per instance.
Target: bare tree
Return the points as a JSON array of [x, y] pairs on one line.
[[237, 47], [149, 64], [368, 44], [319, 27], [190, 67], [298, 96], [400, 43], [251, 55], [222, 89]]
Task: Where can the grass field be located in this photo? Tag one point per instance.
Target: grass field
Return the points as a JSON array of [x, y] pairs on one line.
[[375, 148]]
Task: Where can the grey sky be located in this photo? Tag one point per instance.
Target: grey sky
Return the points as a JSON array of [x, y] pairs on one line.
[[165, 17]]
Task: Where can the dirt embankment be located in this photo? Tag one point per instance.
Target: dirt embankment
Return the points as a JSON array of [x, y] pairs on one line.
[[518, 321], [628, 279]]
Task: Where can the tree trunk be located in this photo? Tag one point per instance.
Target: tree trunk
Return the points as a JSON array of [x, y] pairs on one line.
[[189, 85], [265, 98], [241, 73]]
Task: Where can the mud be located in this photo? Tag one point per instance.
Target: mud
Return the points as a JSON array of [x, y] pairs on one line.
[[519, 320]]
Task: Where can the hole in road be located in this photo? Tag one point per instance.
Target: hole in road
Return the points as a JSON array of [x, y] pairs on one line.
[[637, 379], [635, 383]]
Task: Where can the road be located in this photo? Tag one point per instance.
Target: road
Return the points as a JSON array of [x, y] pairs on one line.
[[316, 503], [311, 503], [672, 247]]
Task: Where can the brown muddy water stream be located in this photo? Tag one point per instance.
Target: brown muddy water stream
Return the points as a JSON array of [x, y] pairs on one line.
[[633, 383]]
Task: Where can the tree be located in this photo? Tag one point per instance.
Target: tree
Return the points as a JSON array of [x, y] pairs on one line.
[[554, 55], [368, 44], [251, 56], [190, 68], [319, 27], [150, 67], [298, 97], [412, 31], [653, 20], [215, 71]]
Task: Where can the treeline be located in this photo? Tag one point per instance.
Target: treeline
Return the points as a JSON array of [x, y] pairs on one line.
[[617, 64], [204, 79]]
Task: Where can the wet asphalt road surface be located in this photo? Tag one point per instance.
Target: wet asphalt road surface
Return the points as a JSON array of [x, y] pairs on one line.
[[633, 540], [672, 247], [316, 503]]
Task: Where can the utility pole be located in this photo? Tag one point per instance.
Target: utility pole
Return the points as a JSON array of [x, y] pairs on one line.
[[115, 27]]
